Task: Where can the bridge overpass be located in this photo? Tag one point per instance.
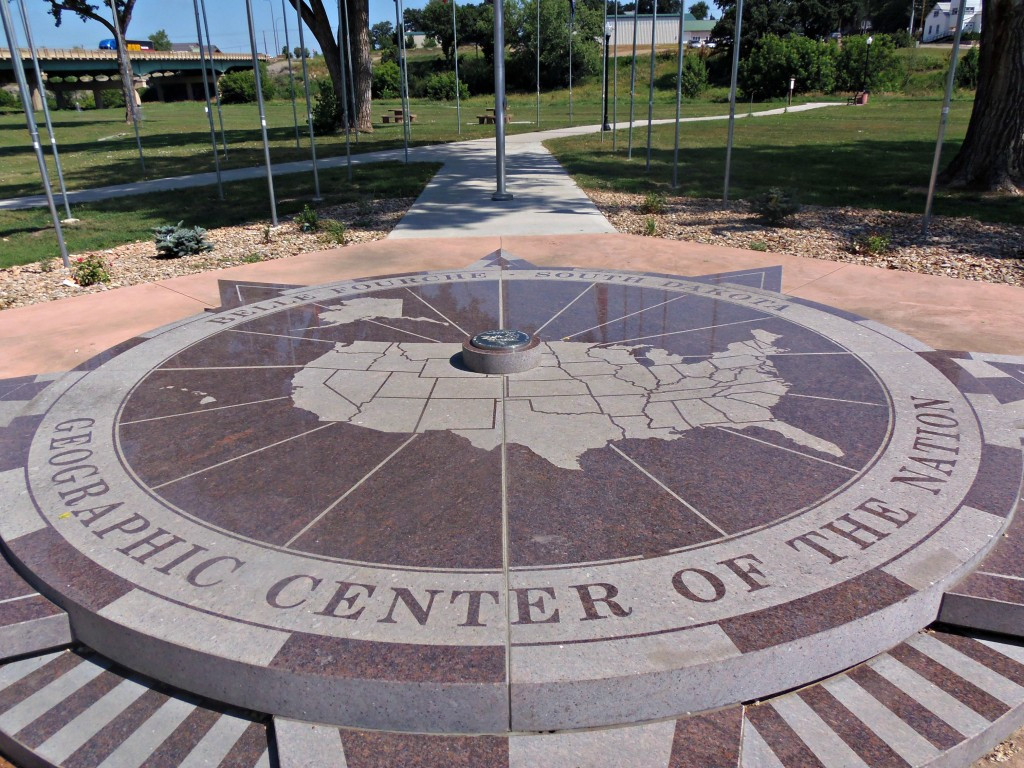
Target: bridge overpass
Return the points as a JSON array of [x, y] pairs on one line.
[[174, 74]]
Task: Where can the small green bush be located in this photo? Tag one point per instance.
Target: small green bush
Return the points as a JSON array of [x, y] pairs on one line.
[[967, 69], [240, 87], [759, 245], [651, 226], [775, 205], [334, 231], [309, 220], [253, 258], [8, 99], [654, 202], [441, 87], [695, 76], [387, 81], [872, 243], [48, 265], [326, 114], [174, 241], [89, 270]]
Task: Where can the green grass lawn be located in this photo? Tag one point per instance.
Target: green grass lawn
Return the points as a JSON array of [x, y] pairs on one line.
[[27, 236], [97, 148], [875, 156]]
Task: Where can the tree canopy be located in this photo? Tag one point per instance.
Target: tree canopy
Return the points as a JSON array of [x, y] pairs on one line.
[[160, 40]]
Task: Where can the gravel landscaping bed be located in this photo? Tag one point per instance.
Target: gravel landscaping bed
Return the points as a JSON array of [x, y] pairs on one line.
[[137, 262], [959, 247]]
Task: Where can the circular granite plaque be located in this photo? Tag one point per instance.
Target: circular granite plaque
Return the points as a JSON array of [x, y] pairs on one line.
[[501, 339], [702, 494]]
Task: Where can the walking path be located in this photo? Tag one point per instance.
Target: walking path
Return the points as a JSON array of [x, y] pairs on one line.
[[462, 155]]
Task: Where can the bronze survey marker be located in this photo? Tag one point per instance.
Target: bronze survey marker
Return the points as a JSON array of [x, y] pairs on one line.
[[703, 493]]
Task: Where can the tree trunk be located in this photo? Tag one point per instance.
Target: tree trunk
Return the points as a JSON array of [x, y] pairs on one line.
[[359, 39], [992, 155], [315, 16]]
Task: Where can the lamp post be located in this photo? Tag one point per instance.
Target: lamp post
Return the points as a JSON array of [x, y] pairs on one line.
[[867, 61], [607, 39]]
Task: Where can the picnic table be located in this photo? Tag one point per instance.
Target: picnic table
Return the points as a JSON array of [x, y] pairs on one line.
[[489, 118], [395, 116]]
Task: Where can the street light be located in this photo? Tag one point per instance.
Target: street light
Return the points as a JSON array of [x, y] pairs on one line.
[[867, 61], [608, 29]]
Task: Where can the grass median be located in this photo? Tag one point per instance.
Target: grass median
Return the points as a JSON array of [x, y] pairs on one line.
[[27, 236]]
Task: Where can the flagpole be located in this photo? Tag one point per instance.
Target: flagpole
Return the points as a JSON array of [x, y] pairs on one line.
[[216, 86], [732, 97], [615, 78], [209, 110], [455, 53], [632, 86], [604, 71], [263, 114], [309, 105], [351, 71], [538, 63], [572, 18], [342, 37], [650, 90], [679, 95]]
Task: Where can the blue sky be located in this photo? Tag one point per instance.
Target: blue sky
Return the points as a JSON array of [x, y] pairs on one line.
[[227, 22]]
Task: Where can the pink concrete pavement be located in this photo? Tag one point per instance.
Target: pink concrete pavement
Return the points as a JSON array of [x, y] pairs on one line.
[[943, 312]]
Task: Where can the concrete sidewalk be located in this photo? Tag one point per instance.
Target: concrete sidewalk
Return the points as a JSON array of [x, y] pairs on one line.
[[430, 153]]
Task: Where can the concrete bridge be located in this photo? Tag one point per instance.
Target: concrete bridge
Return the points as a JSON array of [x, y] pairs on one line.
[[173, 74]]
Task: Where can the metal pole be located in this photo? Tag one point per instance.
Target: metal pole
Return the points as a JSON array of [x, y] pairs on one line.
[[342, 36], [632, 87], [943, 119], [650, 89], [732, 97], [455, 52], [263, 116], [273, 23], [266, 48], [291, 77], [129, 91], [604, 118], [615, 78], [309, 105], [538, 64], [351, 72], [216, 86], [30, 123], [400, 28], [500, 193], [572, 18], [46, 107], [679, 96], [913, 7], [604, 73], [209, 111]]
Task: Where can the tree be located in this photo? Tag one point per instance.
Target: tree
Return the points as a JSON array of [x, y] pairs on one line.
[[161, 41], [700, 10], [381, 33], [86, 11], [314, 16], [412, 19], [992, 155], [300, 53], [813, 18]]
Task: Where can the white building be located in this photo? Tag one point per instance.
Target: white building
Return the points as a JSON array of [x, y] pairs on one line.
[[940, 23]]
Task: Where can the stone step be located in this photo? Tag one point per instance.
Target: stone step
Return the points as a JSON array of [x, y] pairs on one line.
[[991, 598], [75, 709], [937, 699], [29, 623]]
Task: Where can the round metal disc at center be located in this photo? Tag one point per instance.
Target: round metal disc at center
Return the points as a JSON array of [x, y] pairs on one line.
[[503, 339]]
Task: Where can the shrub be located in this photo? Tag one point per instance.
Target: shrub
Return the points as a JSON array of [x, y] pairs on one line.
[[89, 270], [8, 99], [441, 87], [387, 80], [334, 231], [695, 76], [48, 265], [309, 220], [885, 70], [650, 227], [478, 74], [654, 202], [240, 87], [773, 60], [174, 241], [758, 245], [253, 258], [429, 42], [967, 69], [775, 205], [872, 243], [326, 113]]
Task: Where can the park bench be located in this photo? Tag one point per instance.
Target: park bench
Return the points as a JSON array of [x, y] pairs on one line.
[[860, 98]]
